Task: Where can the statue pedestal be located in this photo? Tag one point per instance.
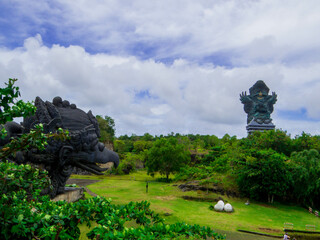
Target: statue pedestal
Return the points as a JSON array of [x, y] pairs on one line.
[[254, 126], [71, 194]]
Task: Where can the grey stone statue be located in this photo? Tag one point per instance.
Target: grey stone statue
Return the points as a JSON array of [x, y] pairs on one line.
[[82, 150], [258, 104]]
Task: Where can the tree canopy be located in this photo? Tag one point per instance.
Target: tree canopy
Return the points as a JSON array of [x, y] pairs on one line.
[[107, 128], [166, 156]]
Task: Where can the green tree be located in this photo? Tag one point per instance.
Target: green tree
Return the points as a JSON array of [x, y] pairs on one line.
[[263, 175], [213, 155], [210, 141], [10, 107], [198, 144], [122, 146], [107, 128], [276, 140], [166, 156], [305, 167], [306, 142], [147, 137], [141, 145]]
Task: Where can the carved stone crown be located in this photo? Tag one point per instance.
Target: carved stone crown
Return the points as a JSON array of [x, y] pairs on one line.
[[259, 86]]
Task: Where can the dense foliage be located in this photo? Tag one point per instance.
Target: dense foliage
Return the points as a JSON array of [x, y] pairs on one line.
[[166, 156], [305, 169], [265, 166], [107, 128], [25, 214], [9, 106], [263, 175]]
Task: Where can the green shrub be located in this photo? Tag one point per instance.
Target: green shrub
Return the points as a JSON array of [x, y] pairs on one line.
[[129, 162], [25, 214]]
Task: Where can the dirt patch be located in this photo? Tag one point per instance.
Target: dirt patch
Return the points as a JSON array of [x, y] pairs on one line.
[[163, 210], [82, 182], [269, 230], [166, 198]]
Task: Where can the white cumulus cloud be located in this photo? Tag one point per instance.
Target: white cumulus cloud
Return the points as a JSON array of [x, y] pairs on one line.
[[183, 97]]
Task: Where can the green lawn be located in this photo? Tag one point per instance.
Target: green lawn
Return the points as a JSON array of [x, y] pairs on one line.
[[167, 199]]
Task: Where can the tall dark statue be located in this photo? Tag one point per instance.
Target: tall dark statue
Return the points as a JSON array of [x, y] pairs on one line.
[[82, 150], [259, 106]]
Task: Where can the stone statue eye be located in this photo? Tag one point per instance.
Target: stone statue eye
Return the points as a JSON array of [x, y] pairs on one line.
[[100, 146]]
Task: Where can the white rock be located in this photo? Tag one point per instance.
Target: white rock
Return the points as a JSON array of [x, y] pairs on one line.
[[219, 206], [220, 202], [228, 207]]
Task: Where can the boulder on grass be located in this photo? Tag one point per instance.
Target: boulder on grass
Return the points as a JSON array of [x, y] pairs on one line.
[[228, 207], [219, 206]]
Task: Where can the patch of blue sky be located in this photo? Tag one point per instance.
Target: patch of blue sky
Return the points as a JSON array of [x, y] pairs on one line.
[[297, 115], [14, 33], [166, 60], [218, 58], [144, 95], [222, 59], [17, 28], [51, 36], [143, 50], [302, 57], [10, 29], [20, 20], [161, 50]]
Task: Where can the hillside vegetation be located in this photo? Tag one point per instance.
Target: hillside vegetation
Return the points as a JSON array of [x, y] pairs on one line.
[[266, 166]]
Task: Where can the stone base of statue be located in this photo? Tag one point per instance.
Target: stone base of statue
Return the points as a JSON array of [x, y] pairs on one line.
[[71, 194], [254, 125]]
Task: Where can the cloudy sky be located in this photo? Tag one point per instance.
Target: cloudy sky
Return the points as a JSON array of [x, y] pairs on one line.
[[167, 66]]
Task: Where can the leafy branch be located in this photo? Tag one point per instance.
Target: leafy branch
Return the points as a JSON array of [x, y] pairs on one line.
[[9, 107]]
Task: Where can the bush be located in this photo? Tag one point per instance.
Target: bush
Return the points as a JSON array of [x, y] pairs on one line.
[[129, 163], [25, 214], [166, 156]]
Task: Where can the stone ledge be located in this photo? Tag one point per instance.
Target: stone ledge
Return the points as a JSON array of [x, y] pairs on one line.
[[254, 126], [71, 194]]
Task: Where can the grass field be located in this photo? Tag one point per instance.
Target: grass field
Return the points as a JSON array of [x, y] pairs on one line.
[[166, 199]]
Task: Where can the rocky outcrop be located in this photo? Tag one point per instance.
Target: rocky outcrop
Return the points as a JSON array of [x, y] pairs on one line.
[[195, 186]]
